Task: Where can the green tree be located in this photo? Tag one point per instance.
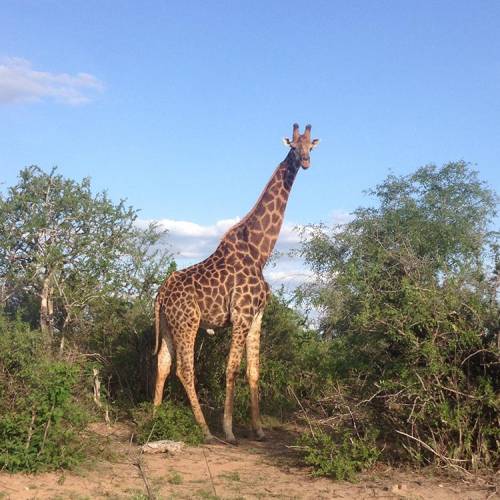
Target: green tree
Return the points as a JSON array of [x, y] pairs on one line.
[[408, 292], [69, 248]]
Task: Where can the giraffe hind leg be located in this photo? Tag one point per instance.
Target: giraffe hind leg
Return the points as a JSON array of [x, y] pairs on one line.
[[164, 360], [186, 337]]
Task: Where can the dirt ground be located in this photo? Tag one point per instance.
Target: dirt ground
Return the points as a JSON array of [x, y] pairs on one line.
[[250, 470]]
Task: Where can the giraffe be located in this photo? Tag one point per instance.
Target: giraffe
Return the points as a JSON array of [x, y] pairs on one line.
[[227, 288]]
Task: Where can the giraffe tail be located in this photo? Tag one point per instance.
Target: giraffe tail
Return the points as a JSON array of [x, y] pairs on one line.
[[157, 326]]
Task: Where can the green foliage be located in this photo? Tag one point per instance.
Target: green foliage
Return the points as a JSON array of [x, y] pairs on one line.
[[120, 330], [294, 358], [339, 457], [175, 478], [410, 302], [69, 249], [168, 421], [80, 267], [40, 418]]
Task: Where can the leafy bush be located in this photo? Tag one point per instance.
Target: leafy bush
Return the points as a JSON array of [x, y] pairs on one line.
[[168, 421], [40, 418], [339, 457], [409, 292]]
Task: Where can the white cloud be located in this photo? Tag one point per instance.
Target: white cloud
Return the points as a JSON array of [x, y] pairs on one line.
[[19, 82], [289, 274], [339, 217], [191, 242], [193, 230]]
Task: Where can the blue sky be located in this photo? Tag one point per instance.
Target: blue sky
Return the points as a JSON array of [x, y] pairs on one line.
[[180, 107]]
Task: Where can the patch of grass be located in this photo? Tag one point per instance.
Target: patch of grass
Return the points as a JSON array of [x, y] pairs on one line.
[[138, 495], [168, 421], [207, 495], [175, 478], [231, 476]]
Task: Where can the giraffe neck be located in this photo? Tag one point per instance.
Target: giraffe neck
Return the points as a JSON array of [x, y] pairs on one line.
[[257, 232]]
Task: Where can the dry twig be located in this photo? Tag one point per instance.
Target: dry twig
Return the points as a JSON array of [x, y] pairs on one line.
[[445, 459], [139, 465], [210, 473], [303, 411]]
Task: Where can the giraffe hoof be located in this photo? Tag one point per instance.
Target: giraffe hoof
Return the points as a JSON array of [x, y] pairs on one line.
[[232, 440], [209, 439]]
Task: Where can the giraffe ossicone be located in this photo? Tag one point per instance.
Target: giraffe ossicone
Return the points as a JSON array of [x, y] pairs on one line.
[[227, 288]]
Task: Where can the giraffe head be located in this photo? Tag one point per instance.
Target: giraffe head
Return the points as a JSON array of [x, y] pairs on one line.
[[302, 145]]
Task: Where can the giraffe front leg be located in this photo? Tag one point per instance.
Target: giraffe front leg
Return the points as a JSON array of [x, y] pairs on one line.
[[253, 348], [233, 365]]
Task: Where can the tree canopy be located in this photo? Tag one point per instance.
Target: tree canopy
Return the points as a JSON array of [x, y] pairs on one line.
[[66, 247]]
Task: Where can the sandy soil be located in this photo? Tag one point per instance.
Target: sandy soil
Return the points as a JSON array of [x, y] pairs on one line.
[[250, 470]]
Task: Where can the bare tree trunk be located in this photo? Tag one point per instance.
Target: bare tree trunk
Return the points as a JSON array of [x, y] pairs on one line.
[[46, 306], [50, 305], [97, 395], [3, 294], [63, 329]]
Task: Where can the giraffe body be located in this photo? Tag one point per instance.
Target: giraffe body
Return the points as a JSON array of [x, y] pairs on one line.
[[227, 288]]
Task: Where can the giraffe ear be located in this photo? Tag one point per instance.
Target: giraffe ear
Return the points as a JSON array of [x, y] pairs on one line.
[[314, 143], [287, 142]]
